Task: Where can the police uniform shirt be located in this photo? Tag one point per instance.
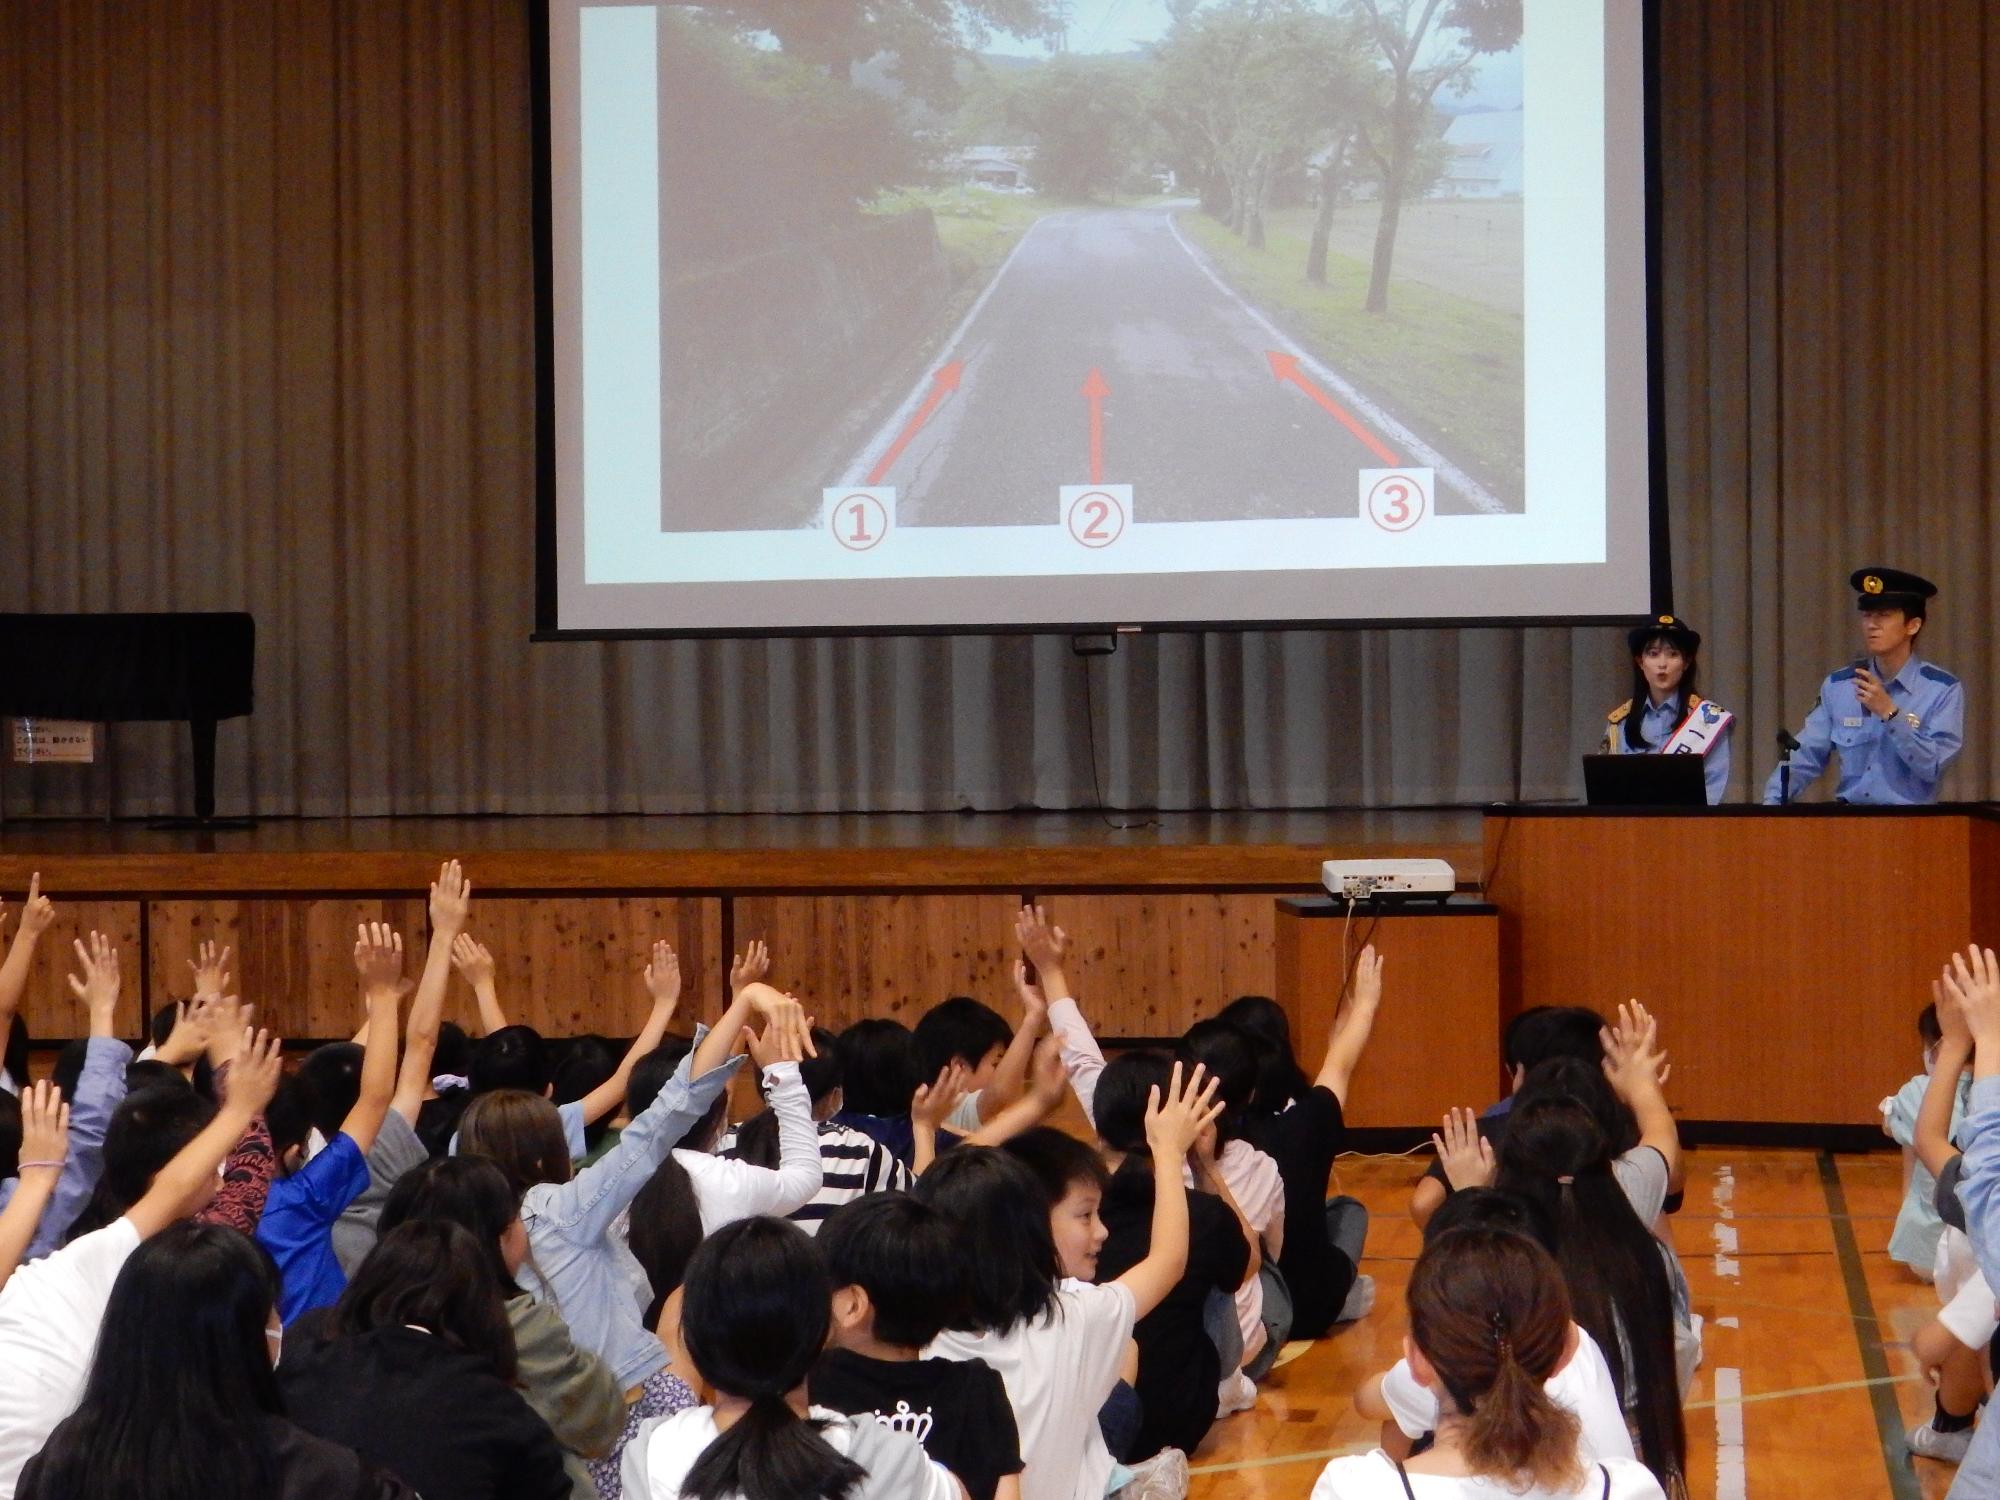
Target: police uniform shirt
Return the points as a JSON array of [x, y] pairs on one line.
[[1894, 762], [1657, 723]]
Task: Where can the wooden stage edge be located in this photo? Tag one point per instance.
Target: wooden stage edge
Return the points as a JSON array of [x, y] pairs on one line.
[[1024, 852]]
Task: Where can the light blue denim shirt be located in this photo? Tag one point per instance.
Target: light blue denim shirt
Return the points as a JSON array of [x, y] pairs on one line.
[[576, 1265], [100, 1089], [1893, 762], [1979, 1193]]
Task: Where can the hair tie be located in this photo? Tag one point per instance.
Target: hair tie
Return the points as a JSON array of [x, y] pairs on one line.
[[1500, 1339], [1565, 1181]]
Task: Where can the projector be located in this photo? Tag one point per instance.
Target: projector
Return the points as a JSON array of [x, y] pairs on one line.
[[1370, 879]]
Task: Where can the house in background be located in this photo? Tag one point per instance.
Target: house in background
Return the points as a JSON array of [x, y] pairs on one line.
[[1482, 156], [1002, 168]]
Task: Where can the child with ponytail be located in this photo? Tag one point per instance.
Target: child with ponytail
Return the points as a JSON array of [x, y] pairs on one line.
[[758, 1303], [1489, 1324]]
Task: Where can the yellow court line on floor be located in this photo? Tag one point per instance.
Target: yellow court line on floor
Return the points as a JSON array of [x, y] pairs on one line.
[[1323, 1454]]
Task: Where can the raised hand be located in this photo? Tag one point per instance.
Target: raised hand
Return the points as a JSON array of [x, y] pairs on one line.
[[1633, 1060], [749, 967], [37, 912], [1950, 1014], [1465, 1154], [931, 1105], [97, 985], [189, 1038], [44, 1129], [211, 969], [254, 1079], [227, 1019], [1366, 990], [451, 902], [1175, 1122], [1048, 1079], [472, 960], [1046, 945], [775, 1006], [378, 959], [1972, 980], [663, 977], [1034, 1000]]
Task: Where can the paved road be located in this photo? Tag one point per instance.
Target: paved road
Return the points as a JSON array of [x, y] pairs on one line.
[[1195, 418]]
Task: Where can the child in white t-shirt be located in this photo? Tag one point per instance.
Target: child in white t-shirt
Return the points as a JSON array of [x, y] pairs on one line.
[[1059, 1343], [1914, 1241], [1489, 1329]]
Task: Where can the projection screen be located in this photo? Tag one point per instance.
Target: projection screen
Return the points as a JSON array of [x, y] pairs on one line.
[[1054, 314]]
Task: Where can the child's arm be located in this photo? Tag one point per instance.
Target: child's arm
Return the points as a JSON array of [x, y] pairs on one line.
[[1632, 1061], [44, 1145], [451, 903], [1047, 947], [1010, 1079], [475, 967], [378, 960], [663, 983], [1173, 1124], [754, 999], [246, 1172], [37, 912], [1974, 982], [1352, 1026], [930, 1106], [1932, 1140], [253, 1080], [1043, 1098], [100, 1089]]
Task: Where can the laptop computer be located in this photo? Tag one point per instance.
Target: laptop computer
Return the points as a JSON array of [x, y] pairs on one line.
[[1644, 781]]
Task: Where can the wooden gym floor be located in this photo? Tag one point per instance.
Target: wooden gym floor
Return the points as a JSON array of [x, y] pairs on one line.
[[1806, 1383]]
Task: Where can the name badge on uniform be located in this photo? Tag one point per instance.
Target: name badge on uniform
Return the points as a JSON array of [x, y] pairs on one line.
[[1854, 723]]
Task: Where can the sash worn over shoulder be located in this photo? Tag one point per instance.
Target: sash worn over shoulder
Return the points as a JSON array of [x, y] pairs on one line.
[[1701, 728]]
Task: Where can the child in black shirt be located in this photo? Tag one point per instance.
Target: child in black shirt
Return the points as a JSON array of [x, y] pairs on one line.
[[898, 1279]]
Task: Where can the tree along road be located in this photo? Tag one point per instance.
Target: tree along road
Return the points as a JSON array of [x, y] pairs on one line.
[[1203, 405]]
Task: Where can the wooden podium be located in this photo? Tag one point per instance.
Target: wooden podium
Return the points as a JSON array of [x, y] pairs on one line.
[[1787, 951], [1436, 1041]]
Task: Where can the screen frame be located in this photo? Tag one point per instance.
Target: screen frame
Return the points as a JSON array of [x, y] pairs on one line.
[[547, 572]]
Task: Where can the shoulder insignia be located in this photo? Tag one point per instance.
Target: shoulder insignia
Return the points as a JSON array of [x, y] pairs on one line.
[[1937, 674], [1845, 674], [1711, 711], [1618, 714]]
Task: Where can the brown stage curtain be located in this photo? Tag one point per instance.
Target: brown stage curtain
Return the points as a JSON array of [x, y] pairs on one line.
[[266, 342]]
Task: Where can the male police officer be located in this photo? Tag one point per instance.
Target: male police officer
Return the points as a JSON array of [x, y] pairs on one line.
[[1895, 720]]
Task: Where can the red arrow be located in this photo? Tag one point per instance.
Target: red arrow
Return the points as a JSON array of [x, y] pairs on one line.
[[1286, 367], [943, 382], [1094, 391]]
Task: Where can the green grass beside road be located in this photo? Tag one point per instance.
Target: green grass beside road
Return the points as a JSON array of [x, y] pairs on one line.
[[977, 228], [1449, 366]]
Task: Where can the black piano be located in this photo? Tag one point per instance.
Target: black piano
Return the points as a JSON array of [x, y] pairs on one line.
[[117, 668]]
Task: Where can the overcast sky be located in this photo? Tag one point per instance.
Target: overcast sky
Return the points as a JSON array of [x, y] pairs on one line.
[[1124, 25]]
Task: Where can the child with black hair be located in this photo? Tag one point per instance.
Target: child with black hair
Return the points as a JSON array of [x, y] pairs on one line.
[[569, 1388], [415, 1371], [996, 1058], [517, 1058], [1914, 1241], [309, 1196], [853, 1164], [879, 1076], [1059, 1343], [1533, 1037], [1579, 1383], [1191, 1344], [1300, 1122], [898, 1278], [758, 1307]]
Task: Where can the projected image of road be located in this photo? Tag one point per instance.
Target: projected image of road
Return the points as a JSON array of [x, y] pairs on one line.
[[1230, 254]]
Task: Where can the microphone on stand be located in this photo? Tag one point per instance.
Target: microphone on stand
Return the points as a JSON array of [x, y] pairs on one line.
[[1787, 742]]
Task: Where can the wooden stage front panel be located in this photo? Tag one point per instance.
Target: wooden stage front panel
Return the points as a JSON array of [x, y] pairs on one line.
[[865, 915], [1786, 952]]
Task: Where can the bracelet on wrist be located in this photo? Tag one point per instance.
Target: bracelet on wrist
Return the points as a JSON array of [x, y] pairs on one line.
[[30, 1166]]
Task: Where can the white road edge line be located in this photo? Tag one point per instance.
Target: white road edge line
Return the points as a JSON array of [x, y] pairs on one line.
[[1416, 447], [857, 472]]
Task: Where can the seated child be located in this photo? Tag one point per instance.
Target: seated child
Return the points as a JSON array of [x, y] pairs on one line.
[[757, 1309], [1580, 1381], [1914, 1241], [898, 1277]]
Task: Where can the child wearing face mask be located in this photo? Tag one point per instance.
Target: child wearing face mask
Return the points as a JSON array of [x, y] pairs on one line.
[[1914, 1242]]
